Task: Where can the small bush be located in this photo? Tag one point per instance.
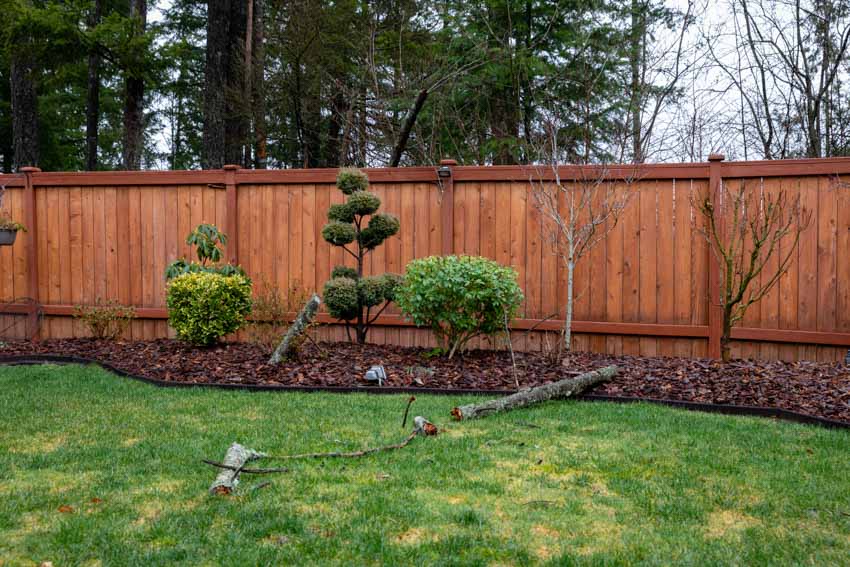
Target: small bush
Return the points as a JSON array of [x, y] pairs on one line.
[[459, 297], [271, 316], [105, 319], [205, 306]]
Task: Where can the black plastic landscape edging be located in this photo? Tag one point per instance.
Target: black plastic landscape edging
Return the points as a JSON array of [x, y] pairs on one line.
[[776, 413]]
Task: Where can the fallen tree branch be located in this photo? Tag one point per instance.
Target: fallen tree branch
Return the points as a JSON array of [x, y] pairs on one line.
[[237, 456], [244, 470], [302, 321], [234, 463], [407, 409], [561, 389], [352, 454]]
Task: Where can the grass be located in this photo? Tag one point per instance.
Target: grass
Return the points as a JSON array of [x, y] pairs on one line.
[[95, 469]]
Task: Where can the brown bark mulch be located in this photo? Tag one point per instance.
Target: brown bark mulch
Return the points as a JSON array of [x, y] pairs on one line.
[[810, 388]]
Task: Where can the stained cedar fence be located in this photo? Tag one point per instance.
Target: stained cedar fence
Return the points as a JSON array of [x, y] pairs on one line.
[[644, 290]]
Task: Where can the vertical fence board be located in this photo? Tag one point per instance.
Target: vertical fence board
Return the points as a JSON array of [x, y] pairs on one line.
[[827, 244], [665, 264], [614, 277], [807, 281], [648, 204], [682, 267], [631, 267]]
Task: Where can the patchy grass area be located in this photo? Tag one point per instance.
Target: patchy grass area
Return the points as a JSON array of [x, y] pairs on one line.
[[99, 469]]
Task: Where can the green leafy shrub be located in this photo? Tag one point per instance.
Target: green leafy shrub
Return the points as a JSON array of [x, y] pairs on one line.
[[459, 297], [206, 239], [105, 319], [348, 295], [205, 306]]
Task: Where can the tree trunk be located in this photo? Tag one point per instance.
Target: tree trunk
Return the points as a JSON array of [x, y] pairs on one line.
[[248, 79], [226, 112], [562, 389], [409, 122], [134, 100], [24, 108], [305, 316], [636, 65], [333, 147], [726, 337], [568, 319], [93, 93], [237, 118], [235, 459], [215, 80], [258, 84]]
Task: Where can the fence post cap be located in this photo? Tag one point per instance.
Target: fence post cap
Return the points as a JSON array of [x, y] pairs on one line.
[[448, 162], [30, 169], [231, 167], [716, 157]]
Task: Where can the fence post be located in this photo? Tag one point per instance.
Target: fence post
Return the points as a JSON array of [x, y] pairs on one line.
[[715, 313], [231, 222], [31, 223], [447, 206]]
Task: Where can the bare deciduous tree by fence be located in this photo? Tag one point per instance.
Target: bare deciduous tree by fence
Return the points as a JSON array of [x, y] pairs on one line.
[[646, 285]]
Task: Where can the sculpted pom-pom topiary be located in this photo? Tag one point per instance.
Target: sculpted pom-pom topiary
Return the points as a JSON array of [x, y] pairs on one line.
[[339, 233], [351, 180], [381, 227], [341, 213], [349, 295]]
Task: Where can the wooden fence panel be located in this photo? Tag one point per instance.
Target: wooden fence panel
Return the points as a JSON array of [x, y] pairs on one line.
[[110, 236]]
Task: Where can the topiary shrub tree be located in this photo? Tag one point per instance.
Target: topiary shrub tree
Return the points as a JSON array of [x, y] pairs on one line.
[[349, 295], [459, 297]]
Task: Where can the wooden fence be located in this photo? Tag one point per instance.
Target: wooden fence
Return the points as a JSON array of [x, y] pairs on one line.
[[644, 290]]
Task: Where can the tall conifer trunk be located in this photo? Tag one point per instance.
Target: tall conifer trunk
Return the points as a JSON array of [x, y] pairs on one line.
[[24, 108], [134, 100], [93, 93]]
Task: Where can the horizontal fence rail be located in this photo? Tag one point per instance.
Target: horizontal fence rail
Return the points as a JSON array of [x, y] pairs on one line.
[[646, 289]]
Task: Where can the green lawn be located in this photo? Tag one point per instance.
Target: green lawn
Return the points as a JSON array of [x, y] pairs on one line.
[[96, 469]]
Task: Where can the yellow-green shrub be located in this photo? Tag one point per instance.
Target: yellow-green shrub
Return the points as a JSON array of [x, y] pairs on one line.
[[205, 306]]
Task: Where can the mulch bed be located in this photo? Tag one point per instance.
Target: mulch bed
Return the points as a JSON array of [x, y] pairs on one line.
[[815, 389]]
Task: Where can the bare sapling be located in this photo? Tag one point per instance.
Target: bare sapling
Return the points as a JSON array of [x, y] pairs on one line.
[[580, 205], [754, 234]]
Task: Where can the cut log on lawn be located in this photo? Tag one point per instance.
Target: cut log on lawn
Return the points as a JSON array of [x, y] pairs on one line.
[[561, 389], [302, 321], [235, 460]]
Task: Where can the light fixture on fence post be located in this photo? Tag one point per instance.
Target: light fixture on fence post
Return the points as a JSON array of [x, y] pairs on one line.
[[444, 171]]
